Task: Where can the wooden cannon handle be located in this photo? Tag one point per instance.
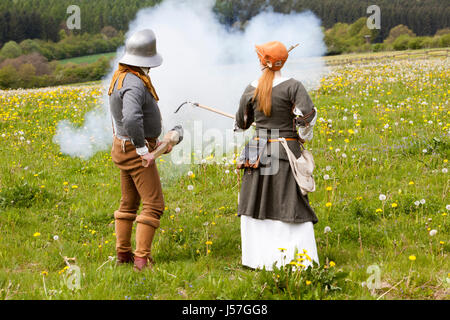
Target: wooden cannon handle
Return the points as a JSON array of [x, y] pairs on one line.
[[170, 139]]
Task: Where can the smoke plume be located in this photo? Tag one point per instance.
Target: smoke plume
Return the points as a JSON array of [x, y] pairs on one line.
[[206, 63]]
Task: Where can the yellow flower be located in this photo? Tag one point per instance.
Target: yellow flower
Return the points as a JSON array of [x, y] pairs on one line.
[[329, 188], [332, 263], [308, 282], [411, 183], [208, 242], [44, 273], [36, 234], [328, 204], [379, 210], [394, 205], [282, 249], [412, 258]]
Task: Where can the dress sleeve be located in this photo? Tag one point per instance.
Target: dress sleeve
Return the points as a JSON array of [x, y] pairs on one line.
[[245, 114], [304, 110]]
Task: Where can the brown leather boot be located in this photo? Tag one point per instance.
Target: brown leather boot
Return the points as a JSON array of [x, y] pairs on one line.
[[125, 257], [143, 263]]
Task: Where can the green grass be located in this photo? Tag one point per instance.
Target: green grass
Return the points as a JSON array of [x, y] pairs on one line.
[[44, 193], [88, 59]]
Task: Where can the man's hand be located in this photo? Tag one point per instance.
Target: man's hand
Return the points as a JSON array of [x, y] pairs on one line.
[[147, 160], [169, 148]]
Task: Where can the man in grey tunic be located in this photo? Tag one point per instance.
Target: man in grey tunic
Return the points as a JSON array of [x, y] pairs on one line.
[[136, 125]]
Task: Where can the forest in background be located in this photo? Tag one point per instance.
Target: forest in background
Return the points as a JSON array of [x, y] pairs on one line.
[[34, 34], [43, 19]]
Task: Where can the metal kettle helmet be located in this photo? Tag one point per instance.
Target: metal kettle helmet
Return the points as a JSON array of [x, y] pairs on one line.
[[140, 50]]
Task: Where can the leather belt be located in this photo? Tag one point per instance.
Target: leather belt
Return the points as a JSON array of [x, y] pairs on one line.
[[277, 140]]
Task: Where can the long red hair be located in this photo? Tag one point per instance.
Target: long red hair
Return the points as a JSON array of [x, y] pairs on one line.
[[263, 93]]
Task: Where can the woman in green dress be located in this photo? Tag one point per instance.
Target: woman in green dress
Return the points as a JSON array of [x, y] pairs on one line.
[[276, 218]]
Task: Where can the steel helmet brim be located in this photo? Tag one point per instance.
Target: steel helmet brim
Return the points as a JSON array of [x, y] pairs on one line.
[[139, 61]]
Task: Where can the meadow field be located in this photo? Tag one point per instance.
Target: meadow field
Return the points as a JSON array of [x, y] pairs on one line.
[[381, 147]]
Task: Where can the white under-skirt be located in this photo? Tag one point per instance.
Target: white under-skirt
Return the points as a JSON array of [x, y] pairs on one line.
[[262, 240]]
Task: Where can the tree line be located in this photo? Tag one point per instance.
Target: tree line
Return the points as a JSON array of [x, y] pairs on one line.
[[43, 19], [424, 17]]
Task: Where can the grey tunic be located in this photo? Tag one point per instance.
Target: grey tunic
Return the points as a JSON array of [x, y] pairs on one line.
[[275, 196], [135, 112]]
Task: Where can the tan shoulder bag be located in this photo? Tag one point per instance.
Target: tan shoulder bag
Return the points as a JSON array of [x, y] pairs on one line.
[[302, 168]]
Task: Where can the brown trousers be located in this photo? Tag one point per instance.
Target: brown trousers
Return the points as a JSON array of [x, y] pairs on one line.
[[137, 183]]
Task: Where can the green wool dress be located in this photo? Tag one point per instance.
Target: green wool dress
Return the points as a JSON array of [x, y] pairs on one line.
[[274, 195]]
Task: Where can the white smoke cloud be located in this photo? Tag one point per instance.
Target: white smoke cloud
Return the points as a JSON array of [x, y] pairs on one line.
[[205, 63]]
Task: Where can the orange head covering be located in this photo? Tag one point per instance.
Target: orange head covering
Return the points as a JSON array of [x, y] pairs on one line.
[[272, 55]]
